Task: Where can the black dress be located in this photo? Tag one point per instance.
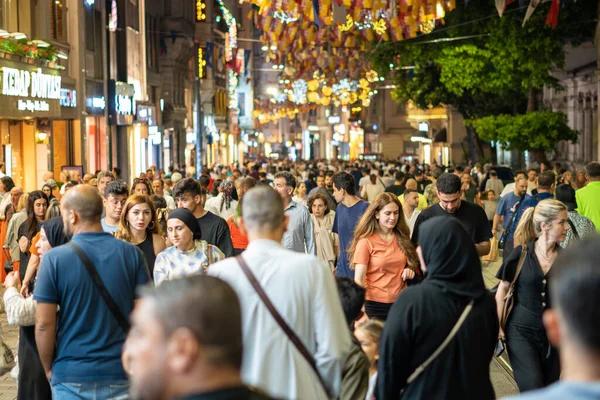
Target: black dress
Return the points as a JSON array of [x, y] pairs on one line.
[[147, 247], [534, 361], [24, 257], [32, 383]]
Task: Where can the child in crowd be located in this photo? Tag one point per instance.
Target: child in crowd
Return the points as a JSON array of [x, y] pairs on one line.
[[368, 334]]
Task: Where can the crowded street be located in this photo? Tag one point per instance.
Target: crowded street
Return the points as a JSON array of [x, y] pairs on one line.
[[299, 200]]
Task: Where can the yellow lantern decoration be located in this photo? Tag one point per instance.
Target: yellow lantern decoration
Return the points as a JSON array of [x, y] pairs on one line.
[[327, 91], [353, 97], [313, 85], [363, 83], [366, 102], [312, 97], [326, 101]]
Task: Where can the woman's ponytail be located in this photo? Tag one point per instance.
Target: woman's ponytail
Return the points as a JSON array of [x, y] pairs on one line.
[[526, 229]]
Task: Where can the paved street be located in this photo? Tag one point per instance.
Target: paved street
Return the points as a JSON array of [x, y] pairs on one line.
[[503, 383]]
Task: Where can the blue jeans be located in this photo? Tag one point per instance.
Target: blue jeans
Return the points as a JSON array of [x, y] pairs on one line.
[[100, 390]]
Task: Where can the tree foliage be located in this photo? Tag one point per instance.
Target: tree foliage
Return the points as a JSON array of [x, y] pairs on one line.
[[536, 131], [494, 71]]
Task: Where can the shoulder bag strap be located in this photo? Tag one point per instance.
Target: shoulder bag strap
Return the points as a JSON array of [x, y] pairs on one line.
[[509, 304], [421, 368], [110, 302], [281, 322], [520, 264], [572, 225]]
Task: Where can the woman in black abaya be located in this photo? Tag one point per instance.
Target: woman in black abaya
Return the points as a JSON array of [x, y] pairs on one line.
[[423, 316]]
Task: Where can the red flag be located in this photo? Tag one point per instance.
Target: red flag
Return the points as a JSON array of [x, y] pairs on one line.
[[552, 18]]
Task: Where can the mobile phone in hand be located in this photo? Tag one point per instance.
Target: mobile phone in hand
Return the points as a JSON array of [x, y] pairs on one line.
[[499, 348]]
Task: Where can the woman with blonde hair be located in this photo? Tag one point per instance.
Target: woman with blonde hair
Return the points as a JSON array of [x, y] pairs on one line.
[[534, 361], [369, 334], [139, 226], [382, 254]]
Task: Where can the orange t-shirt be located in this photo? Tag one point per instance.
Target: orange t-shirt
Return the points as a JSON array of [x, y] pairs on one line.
[[385, 263], [238, 239], [32, 248]]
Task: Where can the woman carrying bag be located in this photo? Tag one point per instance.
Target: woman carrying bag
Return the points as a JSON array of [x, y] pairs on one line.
[[525, 276]]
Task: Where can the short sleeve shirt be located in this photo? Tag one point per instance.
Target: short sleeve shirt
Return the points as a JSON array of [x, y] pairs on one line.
[[505, 208], [385, 263], [89, 340], [344, 224], [33, 248]]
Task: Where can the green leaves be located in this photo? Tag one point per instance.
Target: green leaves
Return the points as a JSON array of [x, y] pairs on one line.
[[534, 131]]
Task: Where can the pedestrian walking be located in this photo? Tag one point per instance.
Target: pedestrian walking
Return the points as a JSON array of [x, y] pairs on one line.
[[114, 198], [382, 254], [472, 216], [493, 183], [322, 220], [581, 227], [271, 280], [37, 204], [299, 235], [510, 209], [452, 298], [32, 382], [223, 203], [571, 324], [369, 334], [80, 348], [139, 226], [409, 208], [189, 255], [588, 197], [534, 361], [189, 194], [355, 372], [141, 186], [174, 352], [372, 188], [158, 187], [349, 211]]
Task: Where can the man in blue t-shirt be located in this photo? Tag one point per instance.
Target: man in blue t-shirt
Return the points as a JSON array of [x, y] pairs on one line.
[[572, 325], [517, 201], [350, 209], [80, 349]]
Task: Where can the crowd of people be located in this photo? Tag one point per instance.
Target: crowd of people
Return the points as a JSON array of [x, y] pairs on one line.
[[305, 280]]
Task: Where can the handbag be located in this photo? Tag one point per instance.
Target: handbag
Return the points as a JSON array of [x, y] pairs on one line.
[[493, 254], [509, 301], [7, 358], [296, 341], [8, 266], [110, 302], [421, 368], [510, 223]]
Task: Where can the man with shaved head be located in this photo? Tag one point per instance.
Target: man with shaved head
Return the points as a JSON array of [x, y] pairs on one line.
[[411, 184], [80, 348]]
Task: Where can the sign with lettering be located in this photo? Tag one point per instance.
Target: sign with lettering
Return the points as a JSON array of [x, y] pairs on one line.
[[68, 98], [29, 91]]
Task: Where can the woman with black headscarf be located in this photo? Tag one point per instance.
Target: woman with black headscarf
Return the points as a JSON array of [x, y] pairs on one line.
[[423, 316], [580, 226], [32, 382]]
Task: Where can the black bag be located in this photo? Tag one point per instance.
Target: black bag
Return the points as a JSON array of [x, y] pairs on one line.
[[504, 236], [8, 266]]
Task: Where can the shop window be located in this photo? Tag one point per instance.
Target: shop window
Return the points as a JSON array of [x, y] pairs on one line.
[[58, 20]]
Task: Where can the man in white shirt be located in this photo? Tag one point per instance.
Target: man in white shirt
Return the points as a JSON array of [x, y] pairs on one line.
[[159, 189], [313, 311], [411, 201], [531, 180]]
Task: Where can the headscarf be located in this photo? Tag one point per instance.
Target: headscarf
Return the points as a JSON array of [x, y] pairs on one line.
[[55, 231], [227, 189], [52, 196], [186, 216], [451, 258], [566, 194]]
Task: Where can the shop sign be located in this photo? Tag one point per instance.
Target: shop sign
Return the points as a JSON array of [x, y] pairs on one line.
[[154, 135], [96, 102], [120, 102], [124, 105], [28, 90], [147, 114], [68, 98]]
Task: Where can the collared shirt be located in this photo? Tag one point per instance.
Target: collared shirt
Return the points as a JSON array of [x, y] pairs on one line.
[[299, 235], [313, 312], [173, 263], [588, 202]]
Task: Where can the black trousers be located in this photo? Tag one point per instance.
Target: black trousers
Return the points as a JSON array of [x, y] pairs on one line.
[[534, 362], [377, 310]]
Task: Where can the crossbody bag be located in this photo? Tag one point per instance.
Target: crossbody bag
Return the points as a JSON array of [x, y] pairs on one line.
[[296, 341], [108, 300], [506, 232], [421, 368], [509, 300]]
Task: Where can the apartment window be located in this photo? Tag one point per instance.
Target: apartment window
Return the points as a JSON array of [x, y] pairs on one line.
[[151, 42], [90, 39], [58, 20]]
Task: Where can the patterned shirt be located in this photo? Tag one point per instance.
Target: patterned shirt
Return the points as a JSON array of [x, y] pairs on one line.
[[430, 194], [173, 263], [583, 225]]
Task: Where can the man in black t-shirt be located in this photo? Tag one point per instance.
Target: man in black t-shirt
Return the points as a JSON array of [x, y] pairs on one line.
[[422, 181], [472, 216], [398, 187]]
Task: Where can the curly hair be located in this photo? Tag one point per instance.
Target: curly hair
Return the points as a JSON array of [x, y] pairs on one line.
[[368, 225]]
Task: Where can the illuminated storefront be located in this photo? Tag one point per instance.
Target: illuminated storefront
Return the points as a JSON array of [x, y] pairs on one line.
[[36, 117]]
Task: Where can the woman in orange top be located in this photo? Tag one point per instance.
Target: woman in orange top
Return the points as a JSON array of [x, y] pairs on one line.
[[238, 237], [382, 254]]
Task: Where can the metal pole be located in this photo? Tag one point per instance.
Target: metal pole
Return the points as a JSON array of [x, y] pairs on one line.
[[199, 117]]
